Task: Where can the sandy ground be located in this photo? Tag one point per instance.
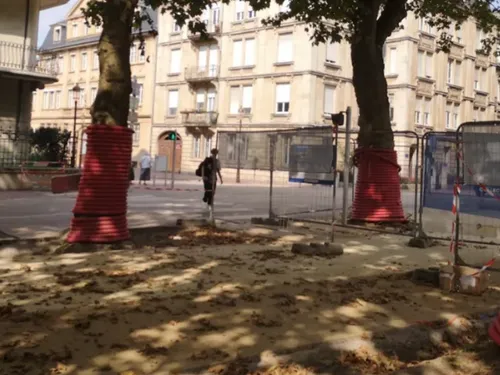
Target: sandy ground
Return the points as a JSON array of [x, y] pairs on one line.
[[195, 299]]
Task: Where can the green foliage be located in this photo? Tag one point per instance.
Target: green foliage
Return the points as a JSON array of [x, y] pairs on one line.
[[325, 19], [49, 144]]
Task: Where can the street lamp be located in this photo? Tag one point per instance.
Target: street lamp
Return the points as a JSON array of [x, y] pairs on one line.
[[76, 94]]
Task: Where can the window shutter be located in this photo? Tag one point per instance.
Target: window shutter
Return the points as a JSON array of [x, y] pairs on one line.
[[285, 50], [250, 52], [329, 98], [457, 80], [175, 61], [393, 60], [237, 52], [173, 99], [247, 97], [234, 99], [283, 92], [331, 52]]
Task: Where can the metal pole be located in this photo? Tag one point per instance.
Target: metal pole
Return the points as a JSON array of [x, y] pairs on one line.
[[415, 174], [347, 156], [173, 163], [73, 151], [271, 175], [238, 158], [456, 258], [422, 185], [166, 172], [334, 172], [354, 176]]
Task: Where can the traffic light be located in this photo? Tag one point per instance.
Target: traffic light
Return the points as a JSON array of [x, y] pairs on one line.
[[338, 118], [172, 136]]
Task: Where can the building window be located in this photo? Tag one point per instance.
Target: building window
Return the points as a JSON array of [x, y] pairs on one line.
[[200, 100], [136, 138], [142, 54], [237, 52], [175, 61], [477, 79], [240, 10], [457, 32], [196, 147], [173, 102], [133, 53], [475, 114], [60, 64], [57, 34], [448, 116], [177, 28], [95, 61], [424, 64], [392, 63], [240, 98], [479, 39], [57, 99], [84, 61], [211, 100], [74, 30], [93, 94], [249, 47], [456, 115], [70, 99], [82, 102], [329, 100], [453, 72], [140, 94], [72, 63], [33, 101], [98, 28], [423, 111], [249, 52], [391, 107], [331, 53], [424, 26], [285, 48], [282, 98], [86, 29], [45, 104], [208, 145], [251, 12]]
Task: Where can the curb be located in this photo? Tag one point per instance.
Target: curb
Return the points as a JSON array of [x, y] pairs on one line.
[[161, 188]]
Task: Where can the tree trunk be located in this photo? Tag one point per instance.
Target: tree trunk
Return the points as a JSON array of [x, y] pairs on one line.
[[100, 212], [111, 106], [378, 195]]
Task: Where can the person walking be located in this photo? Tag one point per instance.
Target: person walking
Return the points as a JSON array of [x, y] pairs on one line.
[[145, 169], [210, 170]]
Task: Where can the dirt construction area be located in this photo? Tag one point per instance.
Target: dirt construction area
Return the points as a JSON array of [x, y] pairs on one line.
[[199, 300]]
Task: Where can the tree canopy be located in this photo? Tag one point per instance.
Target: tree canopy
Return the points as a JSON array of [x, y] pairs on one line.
[[365, 24]]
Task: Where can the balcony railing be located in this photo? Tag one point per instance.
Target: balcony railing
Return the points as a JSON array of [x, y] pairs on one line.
[[26, 59], [199, 118], [213, 30], [202, 73]]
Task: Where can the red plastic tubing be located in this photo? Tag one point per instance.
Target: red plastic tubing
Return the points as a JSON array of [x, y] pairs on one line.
[[377, 194]]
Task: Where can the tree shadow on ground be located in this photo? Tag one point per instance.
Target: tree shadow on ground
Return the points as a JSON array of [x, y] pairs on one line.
[[224, 302]]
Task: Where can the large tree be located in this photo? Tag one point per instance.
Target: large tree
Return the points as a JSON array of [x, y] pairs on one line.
[[365, 24]]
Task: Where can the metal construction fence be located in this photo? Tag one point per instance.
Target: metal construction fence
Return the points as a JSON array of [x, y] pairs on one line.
[[297, 165], [15, 147]]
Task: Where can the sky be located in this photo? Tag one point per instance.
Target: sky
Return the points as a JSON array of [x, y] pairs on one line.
[[50, 16]]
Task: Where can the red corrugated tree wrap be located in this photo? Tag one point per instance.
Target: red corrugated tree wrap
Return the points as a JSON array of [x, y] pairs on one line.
[[494, 330], [378, 193], [100, 213]]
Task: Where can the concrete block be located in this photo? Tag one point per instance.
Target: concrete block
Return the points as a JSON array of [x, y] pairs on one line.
[[315, 249]]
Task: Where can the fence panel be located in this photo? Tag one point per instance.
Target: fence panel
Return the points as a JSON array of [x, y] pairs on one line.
[[15, 147], [478, 167], [302, 178], [437, 178]]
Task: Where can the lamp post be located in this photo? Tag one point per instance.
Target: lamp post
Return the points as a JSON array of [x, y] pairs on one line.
[[76, 93]]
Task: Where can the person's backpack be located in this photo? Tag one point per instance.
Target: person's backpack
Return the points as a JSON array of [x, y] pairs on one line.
[[204, 165]]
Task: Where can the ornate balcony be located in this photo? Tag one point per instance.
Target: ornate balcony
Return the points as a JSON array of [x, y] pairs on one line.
[[454, 93], [196, 118], [25, 60], [426, 42], [456, 51], [481, 98], [482, 60], [213, 31], [202, 73]]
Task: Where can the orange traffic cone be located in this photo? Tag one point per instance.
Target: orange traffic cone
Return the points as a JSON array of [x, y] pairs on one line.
[[494, 330]]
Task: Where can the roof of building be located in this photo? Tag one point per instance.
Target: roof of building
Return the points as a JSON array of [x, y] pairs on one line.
[[49, 44]]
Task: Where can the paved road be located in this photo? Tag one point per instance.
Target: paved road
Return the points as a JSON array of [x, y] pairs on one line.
[[39, 214]]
